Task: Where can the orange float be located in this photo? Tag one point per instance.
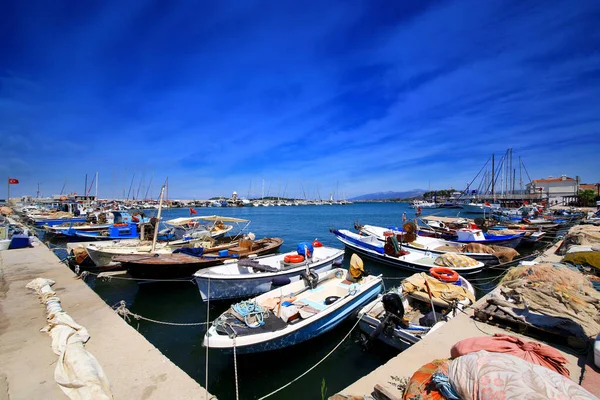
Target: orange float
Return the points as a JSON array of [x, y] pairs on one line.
[[444, 274], [293, 258]]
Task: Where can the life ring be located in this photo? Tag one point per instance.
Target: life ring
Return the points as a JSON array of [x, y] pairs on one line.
[[444, 274], [293, 258]]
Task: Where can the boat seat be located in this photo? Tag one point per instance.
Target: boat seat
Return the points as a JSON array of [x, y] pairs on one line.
[[314, 304]]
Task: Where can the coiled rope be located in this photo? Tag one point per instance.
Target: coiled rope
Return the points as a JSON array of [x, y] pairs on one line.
[[248, 309]]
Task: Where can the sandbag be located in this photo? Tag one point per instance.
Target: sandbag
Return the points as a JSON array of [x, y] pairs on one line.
[[484, 375], [532, 352]]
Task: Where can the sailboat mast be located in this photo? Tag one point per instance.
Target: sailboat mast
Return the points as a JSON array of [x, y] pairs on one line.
[[493, 179], [156, 227]]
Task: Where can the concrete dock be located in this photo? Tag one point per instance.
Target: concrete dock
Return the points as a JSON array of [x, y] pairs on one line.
[[135, 368], [437, 345]]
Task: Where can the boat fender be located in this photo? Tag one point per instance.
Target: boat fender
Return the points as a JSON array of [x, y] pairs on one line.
[[311, 279], [280, 281], [331, 299], [444, 274]]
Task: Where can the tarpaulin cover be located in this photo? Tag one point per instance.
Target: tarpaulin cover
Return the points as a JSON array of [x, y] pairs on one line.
[[484, 375], [532, 352], [440, 290], [190, 251], [453, 260], [591, 258], [420, 385]]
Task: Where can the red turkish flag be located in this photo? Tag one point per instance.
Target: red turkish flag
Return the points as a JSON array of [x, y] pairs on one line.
[[12, 181], [192, 211]]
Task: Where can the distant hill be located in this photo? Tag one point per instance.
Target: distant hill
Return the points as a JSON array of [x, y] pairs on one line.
[[390, 195]]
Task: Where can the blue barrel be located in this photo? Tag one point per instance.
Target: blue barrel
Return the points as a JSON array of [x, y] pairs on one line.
[[302, 246]]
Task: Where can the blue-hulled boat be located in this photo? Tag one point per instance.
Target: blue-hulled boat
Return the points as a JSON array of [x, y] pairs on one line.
[[291, 314], [112, 232], [409, 259]]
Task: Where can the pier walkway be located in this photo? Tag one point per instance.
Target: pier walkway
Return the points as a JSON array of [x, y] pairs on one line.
[[134, 367], [437, 345]]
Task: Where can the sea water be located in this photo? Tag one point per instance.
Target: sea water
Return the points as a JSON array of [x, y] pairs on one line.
[[259, 374]]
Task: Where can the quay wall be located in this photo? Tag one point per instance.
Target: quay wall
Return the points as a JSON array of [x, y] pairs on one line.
[[134, 367]]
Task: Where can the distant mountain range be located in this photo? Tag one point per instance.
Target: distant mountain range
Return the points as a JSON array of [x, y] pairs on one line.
[[390, 195]]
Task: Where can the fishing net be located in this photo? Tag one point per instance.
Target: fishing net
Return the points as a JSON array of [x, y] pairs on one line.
[[550, 296]]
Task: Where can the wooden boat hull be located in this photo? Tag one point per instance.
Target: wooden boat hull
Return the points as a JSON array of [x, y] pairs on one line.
[[181, 266]]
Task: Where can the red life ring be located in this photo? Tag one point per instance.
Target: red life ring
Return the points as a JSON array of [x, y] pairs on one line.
[[293, 258], [444, 274]]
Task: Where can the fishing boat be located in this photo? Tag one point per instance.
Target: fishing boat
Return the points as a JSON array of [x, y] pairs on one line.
[[421, 305], [253, 276], [463, 230], [214, 226], [182, 265], [114, 231], [409, 239], [291, 314], [392, 253], [111, 217]]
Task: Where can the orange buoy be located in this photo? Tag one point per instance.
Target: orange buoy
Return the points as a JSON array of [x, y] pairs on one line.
[[444, 274], [293, 258]]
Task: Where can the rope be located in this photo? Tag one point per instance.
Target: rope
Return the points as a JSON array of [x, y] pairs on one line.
[[248, 309], [207, 341], [121, 309], [110, 277], [320, 361], [237, 396]]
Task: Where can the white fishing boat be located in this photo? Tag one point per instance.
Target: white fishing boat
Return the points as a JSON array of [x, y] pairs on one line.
[[394, 254], [423, 204], [409, 239], [292, 313], [214, 226], [421, 305], [254, 276]]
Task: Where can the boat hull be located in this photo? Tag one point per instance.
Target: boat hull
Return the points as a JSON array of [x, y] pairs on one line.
[[318, 327], [372, 252], [221, 289]]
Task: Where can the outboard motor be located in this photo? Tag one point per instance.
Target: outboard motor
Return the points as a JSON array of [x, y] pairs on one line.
[[394, 313], [310, 279]]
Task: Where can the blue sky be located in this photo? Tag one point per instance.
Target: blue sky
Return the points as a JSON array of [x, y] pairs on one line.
[[348, 97]]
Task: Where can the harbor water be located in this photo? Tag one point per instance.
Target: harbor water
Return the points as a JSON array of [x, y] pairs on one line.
[[260, 374]]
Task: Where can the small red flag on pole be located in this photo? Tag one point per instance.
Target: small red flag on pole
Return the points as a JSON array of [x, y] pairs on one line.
[[12, 181], [192, 211]]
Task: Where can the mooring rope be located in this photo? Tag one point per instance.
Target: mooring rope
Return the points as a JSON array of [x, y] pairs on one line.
[[121, 309], [237, 396], [110, 277]]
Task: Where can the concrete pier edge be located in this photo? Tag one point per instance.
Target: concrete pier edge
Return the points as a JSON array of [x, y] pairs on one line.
[[135, 368]]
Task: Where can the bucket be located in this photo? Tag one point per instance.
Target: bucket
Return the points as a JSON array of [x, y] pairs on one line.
[[302, 246], [223, 253]]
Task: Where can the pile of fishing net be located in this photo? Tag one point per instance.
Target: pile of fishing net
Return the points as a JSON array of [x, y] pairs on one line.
[[448, 292], [586, 235], [551, 297]]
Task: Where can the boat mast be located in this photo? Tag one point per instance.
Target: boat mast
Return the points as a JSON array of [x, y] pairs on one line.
[[160, 201], [96, 186], [493, 179]]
